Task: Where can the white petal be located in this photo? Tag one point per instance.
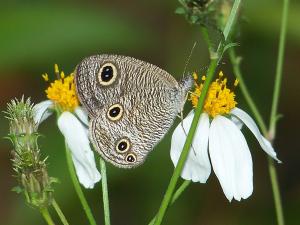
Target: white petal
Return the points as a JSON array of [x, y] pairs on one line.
[[42, 111], [249, 122], [81, 174], [82, 115], [230, 158], [237, 122], [197, 166], [83, 157]]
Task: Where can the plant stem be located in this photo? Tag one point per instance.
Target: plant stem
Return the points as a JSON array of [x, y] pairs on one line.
[[105, 192], [176, 195], [77, 187], [231, 19], [276, 191], [59, 212], [271, 167], [180, 190], [206, 38], [274, 111], [46, 215], [210, 74], [186, 147], [235, 62], [273, 117], [278, 76]]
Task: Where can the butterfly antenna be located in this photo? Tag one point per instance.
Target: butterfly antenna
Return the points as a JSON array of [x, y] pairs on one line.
[[188, 59], [181, 112], [204, 69]]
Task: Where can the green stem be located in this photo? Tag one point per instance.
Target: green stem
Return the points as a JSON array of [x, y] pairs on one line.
[[206, 38], [77, 187], [46, 215], [210, 74], [231, 19], [176, 195], [272, 170], [274, 111], [273, 117], [235, 61], [180, 190], [276, 191], [278, 76], [105, 192], [59, 212], [186, 147]]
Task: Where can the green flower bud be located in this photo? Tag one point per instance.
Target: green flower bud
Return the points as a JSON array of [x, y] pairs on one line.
[[30, 168]]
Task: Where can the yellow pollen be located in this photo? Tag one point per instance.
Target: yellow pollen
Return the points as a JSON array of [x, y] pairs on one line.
[[195, 76], [236, 82], [62, 75], [62, 91], [219, 99], [56, 70], [45, 77]]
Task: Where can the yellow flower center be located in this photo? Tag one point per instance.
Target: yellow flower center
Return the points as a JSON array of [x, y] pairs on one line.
[[62, 90], [219, 99]]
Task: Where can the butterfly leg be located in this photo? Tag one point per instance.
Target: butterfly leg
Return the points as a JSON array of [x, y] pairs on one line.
[[181, 122]]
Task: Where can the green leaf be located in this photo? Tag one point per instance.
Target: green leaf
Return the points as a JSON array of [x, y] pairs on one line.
[[17, 189], [53, 180], [279, 116], [48, 189], [180, 11], [194, 19], [230, 45]]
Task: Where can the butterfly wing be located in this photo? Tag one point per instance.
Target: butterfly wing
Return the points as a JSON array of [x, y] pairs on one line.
[[131, 103], [101, 79], [146, 118]]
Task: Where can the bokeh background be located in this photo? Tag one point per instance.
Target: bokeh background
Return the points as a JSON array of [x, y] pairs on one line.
[[37, 34]]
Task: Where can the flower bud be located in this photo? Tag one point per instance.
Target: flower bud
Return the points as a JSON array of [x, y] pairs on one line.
[[30, 168]]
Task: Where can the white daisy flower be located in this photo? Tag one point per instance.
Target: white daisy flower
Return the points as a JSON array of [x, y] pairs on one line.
[[219, 142], [62, 96]]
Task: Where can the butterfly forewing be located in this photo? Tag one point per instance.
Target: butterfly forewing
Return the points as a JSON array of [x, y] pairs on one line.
[[132, 75]]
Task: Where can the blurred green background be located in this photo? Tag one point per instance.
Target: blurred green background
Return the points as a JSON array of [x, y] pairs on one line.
[[37, 34]]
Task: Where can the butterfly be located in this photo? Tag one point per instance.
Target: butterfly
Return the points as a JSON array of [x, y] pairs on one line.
[[131, 104]]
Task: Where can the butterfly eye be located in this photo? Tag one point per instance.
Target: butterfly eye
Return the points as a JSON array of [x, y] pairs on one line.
[[107, 74], [131, 158], [123, 145], [115, 112]]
